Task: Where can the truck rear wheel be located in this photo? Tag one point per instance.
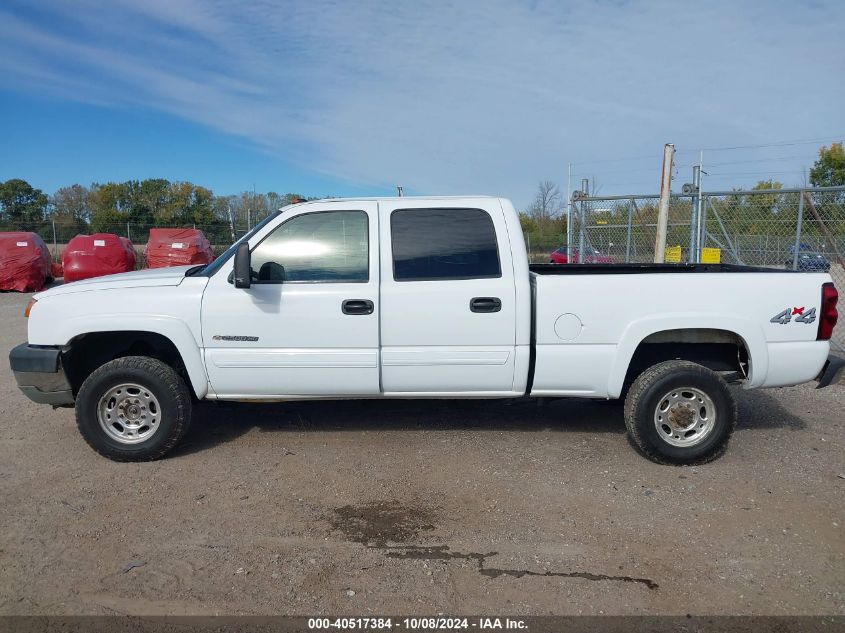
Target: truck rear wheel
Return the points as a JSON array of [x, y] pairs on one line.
[[133, 409], [678, 412]]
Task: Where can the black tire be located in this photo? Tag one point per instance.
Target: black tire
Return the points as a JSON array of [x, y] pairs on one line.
[[160, 381], [649, 391]]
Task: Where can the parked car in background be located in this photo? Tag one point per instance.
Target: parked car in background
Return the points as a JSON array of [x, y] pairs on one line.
[[177, 247], [591, 256], [97, 255], [24, 262], [808, 259]]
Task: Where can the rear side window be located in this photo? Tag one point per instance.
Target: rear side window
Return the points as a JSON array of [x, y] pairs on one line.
[[432, 244]]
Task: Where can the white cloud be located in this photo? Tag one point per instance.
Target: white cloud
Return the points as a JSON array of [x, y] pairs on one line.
[[451, 97]]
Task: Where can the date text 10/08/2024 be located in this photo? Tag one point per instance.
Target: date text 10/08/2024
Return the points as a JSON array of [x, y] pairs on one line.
[[416, 623]]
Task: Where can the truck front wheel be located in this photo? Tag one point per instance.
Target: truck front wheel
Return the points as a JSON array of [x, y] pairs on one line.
[[133, 409], [678, 412]]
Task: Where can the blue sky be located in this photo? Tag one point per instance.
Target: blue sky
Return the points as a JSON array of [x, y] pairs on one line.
[[351, 98]]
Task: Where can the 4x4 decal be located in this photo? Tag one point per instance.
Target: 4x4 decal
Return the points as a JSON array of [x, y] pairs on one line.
[[785, 317]]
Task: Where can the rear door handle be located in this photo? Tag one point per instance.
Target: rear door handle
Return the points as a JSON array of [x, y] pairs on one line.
[[485, 304], [357, 306]]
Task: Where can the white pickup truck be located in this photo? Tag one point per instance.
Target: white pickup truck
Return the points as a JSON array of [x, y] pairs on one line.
[[420, 298]]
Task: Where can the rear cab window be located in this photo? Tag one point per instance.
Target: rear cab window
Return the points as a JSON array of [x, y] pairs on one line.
[[442, 244]]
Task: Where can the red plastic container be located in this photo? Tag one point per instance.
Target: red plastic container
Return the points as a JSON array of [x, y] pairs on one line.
[[177, 247], [24, 262], [87, 256]]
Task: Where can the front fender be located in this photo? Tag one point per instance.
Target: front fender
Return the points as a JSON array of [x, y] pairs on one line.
[[62, 331]]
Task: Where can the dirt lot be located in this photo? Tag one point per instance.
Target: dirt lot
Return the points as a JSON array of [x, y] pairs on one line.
[[420, 507]]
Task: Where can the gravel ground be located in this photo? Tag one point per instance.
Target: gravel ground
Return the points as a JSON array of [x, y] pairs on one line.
[[422, 507]]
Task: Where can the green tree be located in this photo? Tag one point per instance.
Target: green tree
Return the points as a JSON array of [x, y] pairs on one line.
[[21, 202], [70, 208], [109, 205], [201, 209], [148, 201], [760, 211], [528, 224], [183, 203], [829, 169]]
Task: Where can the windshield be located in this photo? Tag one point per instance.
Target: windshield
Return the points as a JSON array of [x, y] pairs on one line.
[[214, 266]]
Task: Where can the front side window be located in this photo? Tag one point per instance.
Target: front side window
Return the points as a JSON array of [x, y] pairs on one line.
[[326, 246], [432, 244]]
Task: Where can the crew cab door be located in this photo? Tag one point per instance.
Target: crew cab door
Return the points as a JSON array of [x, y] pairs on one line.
[[448, 315], [308, 325]]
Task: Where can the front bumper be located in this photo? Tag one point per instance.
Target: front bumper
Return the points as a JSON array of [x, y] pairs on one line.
[[40, 375], [833, 372]]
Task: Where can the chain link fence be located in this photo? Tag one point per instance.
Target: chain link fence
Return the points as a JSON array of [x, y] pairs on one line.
[[796, 229]]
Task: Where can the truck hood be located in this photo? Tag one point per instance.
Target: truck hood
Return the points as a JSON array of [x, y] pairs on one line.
[[137, 279]]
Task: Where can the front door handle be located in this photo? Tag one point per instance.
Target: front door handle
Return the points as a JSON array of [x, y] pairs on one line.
[[357, 306], [485, 304]]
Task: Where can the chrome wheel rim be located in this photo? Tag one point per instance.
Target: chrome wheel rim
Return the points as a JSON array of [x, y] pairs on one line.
[[684, 417], [129, 413]]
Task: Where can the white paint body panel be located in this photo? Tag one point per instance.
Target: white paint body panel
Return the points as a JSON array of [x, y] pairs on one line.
[[430, 339], [169, 306], [618, 312], [421, 339], [306, 345]]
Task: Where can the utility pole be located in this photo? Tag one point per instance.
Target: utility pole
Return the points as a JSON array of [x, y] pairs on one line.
[[663, 209], [400, 191]]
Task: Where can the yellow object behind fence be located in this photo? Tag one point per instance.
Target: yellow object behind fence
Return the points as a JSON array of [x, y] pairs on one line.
[[711, 255], [672, 255]]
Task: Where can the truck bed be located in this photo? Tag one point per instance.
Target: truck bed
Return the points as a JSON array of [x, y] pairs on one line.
[[634, 269], [584, 324]]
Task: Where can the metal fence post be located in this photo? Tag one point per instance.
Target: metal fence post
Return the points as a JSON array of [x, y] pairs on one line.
[[798, 230], [630, 223], [55, 243], [128, 236], [582, 238], [582, 218], [693, 229]]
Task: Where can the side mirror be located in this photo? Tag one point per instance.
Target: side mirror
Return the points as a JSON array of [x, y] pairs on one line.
[[243, 267]]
